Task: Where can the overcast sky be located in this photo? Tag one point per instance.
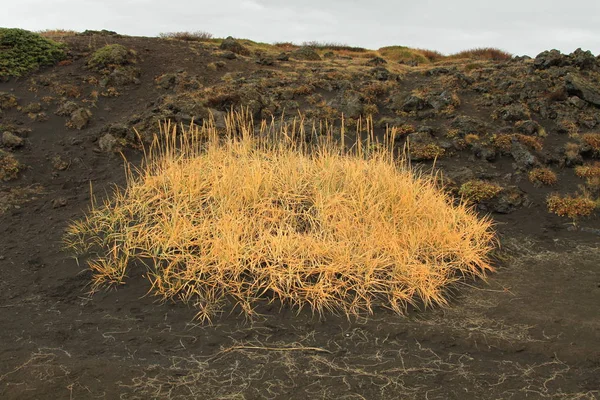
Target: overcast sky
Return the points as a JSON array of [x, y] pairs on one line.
[[518, 26]]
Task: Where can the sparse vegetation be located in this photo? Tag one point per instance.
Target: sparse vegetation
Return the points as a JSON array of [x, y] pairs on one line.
[[476, 191], [325, 230], [197, 36], [333, 46], [23, 51], [57, 34], [573, 207], [542, 176]]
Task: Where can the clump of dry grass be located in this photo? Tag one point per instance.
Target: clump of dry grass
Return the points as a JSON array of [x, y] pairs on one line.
[[260, 214], [483, 53], [197, 36], [57, 34]]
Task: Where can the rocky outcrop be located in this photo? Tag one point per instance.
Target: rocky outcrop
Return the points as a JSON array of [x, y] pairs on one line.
[[585, 89]]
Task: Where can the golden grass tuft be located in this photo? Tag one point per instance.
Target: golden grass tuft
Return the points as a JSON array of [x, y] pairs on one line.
[[260, 214]]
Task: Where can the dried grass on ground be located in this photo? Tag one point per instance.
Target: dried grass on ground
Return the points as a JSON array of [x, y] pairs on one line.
[[262, 215]]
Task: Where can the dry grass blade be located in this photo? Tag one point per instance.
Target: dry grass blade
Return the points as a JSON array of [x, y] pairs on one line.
[[262, 214]]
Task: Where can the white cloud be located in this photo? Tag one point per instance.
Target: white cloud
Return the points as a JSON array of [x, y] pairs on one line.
[[518, 26]]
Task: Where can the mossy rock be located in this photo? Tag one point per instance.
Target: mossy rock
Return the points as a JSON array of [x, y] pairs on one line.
[[306, 53], [22, 51], [111, 56]]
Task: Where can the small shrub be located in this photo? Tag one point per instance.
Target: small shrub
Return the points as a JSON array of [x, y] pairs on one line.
[[532, 142], [588, 171], [7, 101], [568, 126], [572, 150], [593, 141], [303, 90], [542, 176], [287, 46], [570, 206], [484, 53], [22, 51], [370, 109], [471, 138], [429, 151], [9, 166], [197, 36], [452, 133], [591, 173], [476, 191], [375, 89], [110, 56], [431, 55], [502, 142]]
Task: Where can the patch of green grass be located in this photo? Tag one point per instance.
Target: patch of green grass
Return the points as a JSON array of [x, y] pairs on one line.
[[22, 51]]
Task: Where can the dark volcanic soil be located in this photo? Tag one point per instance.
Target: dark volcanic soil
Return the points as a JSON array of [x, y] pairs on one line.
[[532, 331]]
